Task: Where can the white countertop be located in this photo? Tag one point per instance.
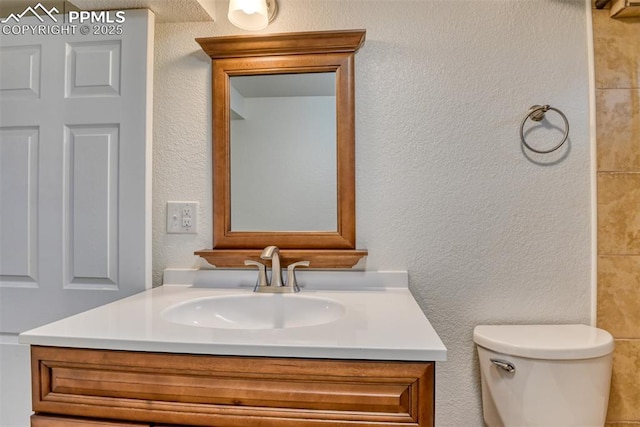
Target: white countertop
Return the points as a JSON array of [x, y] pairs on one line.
[[382, 321]]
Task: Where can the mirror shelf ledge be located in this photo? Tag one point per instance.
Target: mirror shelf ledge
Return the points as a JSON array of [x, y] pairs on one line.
[[318, 258]]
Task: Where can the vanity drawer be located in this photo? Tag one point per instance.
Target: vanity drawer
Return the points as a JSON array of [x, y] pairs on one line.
[[180, 389]]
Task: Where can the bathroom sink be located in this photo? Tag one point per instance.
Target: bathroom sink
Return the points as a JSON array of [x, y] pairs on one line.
[[255, 311]]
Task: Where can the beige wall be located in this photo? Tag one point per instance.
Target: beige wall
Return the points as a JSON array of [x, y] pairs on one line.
[[617, 63]]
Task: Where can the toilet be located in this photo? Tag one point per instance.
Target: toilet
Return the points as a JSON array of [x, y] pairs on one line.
[[544, 375]]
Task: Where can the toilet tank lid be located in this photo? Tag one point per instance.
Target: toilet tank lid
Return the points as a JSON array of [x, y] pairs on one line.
[[553, 342]]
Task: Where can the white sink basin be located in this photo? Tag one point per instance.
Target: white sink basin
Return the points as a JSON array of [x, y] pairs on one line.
[[255, 311]]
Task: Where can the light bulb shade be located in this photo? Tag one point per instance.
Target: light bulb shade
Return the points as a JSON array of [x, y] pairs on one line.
[[249, 14]]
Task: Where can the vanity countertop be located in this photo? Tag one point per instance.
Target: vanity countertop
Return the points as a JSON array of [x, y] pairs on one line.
[[382, 321]]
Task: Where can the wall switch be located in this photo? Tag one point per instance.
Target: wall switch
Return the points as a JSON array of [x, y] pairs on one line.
[[182, 217]]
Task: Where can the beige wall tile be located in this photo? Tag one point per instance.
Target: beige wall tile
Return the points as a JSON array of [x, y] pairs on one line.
[[618, 129], [617, 63], [616, 43], [618, 213], [619, 295], [624, 400]]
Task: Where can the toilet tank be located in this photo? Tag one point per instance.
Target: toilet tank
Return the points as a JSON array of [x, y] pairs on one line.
[[544, 375]]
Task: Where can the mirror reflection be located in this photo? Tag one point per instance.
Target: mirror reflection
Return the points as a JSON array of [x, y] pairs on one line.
[[283, 152]]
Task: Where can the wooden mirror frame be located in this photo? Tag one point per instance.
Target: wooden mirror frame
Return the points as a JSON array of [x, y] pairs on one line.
[[305, 52]]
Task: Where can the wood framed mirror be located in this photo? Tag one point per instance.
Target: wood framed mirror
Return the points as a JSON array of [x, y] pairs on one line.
[[284, 147]]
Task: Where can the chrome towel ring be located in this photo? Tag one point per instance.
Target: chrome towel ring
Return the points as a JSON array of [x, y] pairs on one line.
[[536, 113]]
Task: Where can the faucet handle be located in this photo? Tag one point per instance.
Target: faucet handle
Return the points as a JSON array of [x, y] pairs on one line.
[[291, 274], [262, 273]]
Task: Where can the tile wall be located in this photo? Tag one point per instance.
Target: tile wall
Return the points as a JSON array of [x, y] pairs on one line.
[[617, 74]]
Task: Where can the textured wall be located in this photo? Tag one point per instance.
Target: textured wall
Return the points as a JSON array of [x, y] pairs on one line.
[[444, 190], [617, 72]]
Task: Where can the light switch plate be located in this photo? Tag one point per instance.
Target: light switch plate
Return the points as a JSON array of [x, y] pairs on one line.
[[182, 217]]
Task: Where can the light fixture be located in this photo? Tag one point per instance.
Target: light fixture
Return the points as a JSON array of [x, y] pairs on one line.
[[252, 14]]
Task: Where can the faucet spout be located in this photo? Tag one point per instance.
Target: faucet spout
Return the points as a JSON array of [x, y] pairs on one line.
[[273, 253]]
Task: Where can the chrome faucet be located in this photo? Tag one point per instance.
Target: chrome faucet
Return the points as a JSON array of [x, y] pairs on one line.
[[276, 285]]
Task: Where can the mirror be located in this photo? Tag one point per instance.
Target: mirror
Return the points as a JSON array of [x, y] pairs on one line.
[[284, 146], [283, 136]]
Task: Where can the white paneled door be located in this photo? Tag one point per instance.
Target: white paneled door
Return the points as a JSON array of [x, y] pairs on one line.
[[75, 178], [75, 132]]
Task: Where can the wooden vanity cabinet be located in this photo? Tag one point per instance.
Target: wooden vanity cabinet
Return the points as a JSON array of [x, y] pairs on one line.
[[85, 388]]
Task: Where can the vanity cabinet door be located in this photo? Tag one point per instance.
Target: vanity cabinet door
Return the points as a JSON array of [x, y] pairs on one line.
[[222, 391], [51, 421]]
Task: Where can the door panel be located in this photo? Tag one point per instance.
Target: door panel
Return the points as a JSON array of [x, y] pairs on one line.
[[19, 206], [92, 182]]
